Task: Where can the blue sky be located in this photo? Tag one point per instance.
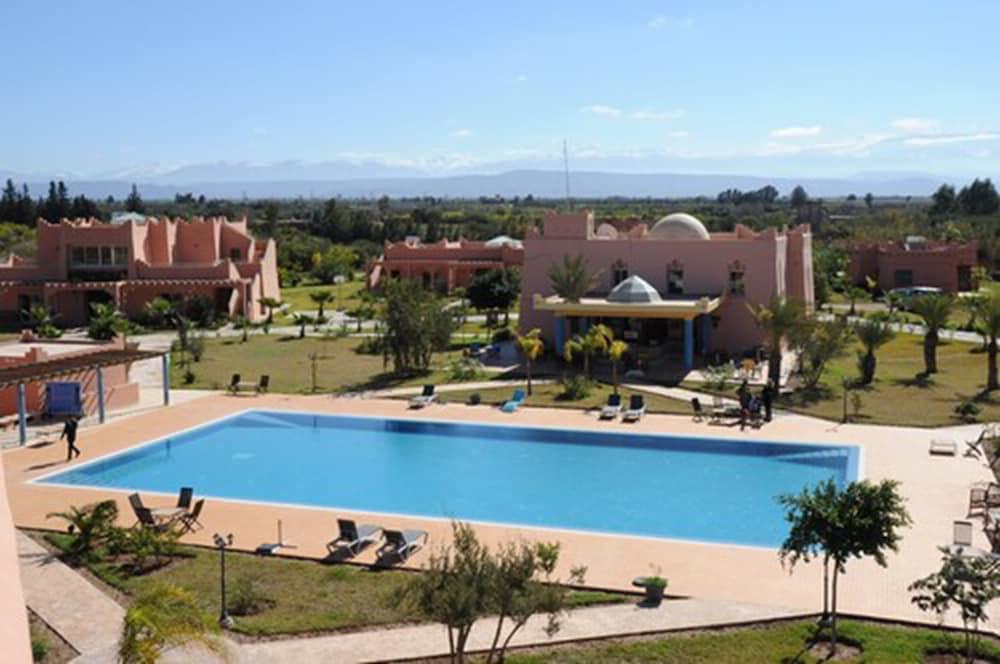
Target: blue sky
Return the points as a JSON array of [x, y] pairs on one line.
[[788, 88]]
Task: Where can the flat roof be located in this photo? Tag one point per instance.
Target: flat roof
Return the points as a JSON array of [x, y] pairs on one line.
[[675, 307], [27, 373]]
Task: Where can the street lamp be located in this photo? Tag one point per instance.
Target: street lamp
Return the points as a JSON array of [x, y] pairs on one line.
[[222, 543]]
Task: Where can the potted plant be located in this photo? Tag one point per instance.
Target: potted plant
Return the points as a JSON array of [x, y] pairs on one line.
[[654, 587]]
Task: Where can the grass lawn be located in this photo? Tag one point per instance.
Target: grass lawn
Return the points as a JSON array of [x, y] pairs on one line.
[[549, 395], [347, 296], [777, 643], [299, 595], [897, 397], [286, 359]]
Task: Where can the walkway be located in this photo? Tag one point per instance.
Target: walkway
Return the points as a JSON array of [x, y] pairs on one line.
[[83, 615]]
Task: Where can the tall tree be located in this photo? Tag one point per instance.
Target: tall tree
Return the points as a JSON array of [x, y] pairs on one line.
[[616, 351], [572, 278], [863, 519], [944, 200], [531, 347], [934, 310], [164, 617], [873, 334], [596, 340], [987, 313], [320, 299], [779, 319], [979, 198], [798, 197], [134, 202], [416, 325], [494, 291]]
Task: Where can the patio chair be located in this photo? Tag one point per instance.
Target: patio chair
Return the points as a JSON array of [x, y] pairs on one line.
[[983, 496], [353, 537], [263, 384], [636, 409], [514, 402], [613, 408], [135, 500], [234, 383], [184, 497], [425, 398], [941, 447], [401, 544], [189, 521]]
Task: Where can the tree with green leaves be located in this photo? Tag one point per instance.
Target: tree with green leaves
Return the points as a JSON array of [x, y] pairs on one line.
[[42, 321], [164, 617], [934, 310], [798, 197], [979, 198], [415, 325], [943, 200], [336, 261], [572, 278], [134, 202], [106, 322], [494, 291], [320, 299], [862, 519], [873, 334], [271, 304], [531, 347], [90, 528], [987, 313], [243, 324], [595, 341], [301, 320], [818, 343], [616, 351], [779, 319], [968, 583]]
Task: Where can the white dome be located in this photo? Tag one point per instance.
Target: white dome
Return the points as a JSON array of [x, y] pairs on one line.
[[501, 240], [607, 231], [632, 290], [680, 226]]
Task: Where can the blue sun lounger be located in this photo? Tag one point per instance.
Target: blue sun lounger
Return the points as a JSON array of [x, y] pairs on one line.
[[515, 401]]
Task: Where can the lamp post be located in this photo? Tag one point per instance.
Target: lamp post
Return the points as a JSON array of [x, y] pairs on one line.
[[222, 543]]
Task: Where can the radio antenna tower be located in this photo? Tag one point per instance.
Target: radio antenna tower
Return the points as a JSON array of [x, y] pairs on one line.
[[569, 203]]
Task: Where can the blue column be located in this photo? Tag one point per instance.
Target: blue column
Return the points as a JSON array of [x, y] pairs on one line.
[[560, 334], [100, 395], [688, 344], [166, 379], [706, 334], [22, 418], [584, 325]]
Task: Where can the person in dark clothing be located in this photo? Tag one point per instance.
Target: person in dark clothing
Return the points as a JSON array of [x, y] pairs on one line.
[[744, 396], [69, 433], [767, 396]]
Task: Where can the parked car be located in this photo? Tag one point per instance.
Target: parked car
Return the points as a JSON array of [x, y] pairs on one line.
[[907, 294]]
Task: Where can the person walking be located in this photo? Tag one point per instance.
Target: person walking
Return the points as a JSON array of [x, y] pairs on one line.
[[767, 396], [69, 433]]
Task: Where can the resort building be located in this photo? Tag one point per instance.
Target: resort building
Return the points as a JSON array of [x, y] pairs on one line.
[[83, 261], [915, 261], [673, 291], [446, 264], [14, 641]]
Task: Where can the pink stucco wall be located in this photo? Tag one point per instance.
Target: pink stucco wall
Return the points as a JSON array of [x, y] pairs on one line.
[[934, 264], [15, 644], [774, 263], [447, 264]]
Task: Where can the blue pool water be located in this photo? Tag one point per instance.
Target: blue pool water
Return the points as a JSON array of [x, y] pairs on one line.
[[663, 486]]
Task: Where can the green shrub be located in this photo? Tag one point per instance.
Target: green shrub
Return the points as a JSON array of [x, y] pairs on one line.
[[247, 598], [464, 368], [968, 410], [39, 648], [575, 387]]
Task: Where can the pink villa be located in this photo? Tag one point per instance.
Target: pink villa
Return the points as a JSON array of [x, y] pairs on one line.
[[446, 264], [672, 291], [83, 261], [915, 262]]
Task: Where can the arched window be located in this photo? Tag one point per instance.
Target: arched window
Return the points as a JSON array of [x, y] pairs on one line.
[[619, 272], [675, 278], [737, 276]]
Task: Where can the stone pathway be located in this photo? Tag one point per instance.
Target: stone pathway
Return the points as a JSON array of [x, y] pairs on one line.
[[83, 615]]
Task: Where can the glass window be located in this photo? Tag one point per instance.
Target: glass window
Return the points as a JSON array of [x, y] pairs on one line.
[[675, 282], [736, 285], [904, 278], [105, 255], [619, 273], [76, 256], [92, 256], [121, 255]]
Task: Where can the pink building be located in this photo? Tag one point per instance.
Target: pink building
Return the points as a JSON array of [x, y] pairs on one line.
[[83, 261], [671, 290], [444, 265], [15, 644], [915, 262]]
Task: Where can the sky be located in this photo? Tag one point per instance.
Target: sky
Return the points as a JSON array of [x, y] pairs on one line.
[[770, 88]]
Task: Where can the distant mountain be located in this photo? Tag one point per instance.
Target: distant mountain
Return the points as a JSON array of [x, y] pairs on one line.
[[366, 179]]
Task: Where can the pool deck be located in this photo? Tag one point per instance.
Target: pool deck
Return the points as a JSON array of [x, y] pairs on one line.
[[936, 489]]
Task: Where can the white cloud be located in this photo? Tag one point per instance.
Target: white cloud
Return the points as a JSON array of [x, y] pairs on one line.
[[658, 115], [796, 132], [521, 78], [916, 125], [603, 110], [680, 133], [924, 141], [661, 21], [461, 133], [855, 147]]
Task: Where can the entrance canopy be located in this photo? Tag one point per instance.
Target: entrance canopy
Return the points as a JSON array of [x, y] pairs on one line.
[[680, 307]]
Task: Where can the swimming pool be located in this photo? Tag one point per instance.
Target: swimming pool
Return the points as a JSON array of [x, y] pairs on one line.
[[704, 489]]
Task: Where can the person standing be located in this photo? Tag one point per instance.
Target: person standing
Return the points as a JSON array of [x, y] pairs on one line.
[[69, 433], [767, 396]]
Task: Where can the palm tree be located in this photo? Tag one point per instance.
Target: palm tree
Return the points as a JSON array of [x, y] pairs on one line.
[[302, 320], [270, 304], [91, 527], [988, 324], [597, 340], [616, 351], [934, 310], [572, 278], [779, 319], [242, 323], [320, 298], [872, 334], [164, 617], [531, 346], [105, 321]]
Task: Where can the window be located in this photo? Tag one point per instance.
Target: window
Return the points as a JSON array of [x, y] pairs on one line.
[[76, 256], [736, 285], [964, 278], [121, 255], [619, 273], [92, 256], [105, 255], [903, 278], [675, 281], [235, 254]]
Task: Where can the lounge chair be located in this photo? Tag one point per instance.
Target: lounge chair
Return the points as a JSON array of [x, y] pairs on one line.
[[263, 384], [983, 496], [613, 408], [425, 398], [475, 349], [234, 384], [184, 497], [189, 521], [135, 500], [943, 447], [401, 544], [636, 409], [515, 401], [699, 414], [353, 537]]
